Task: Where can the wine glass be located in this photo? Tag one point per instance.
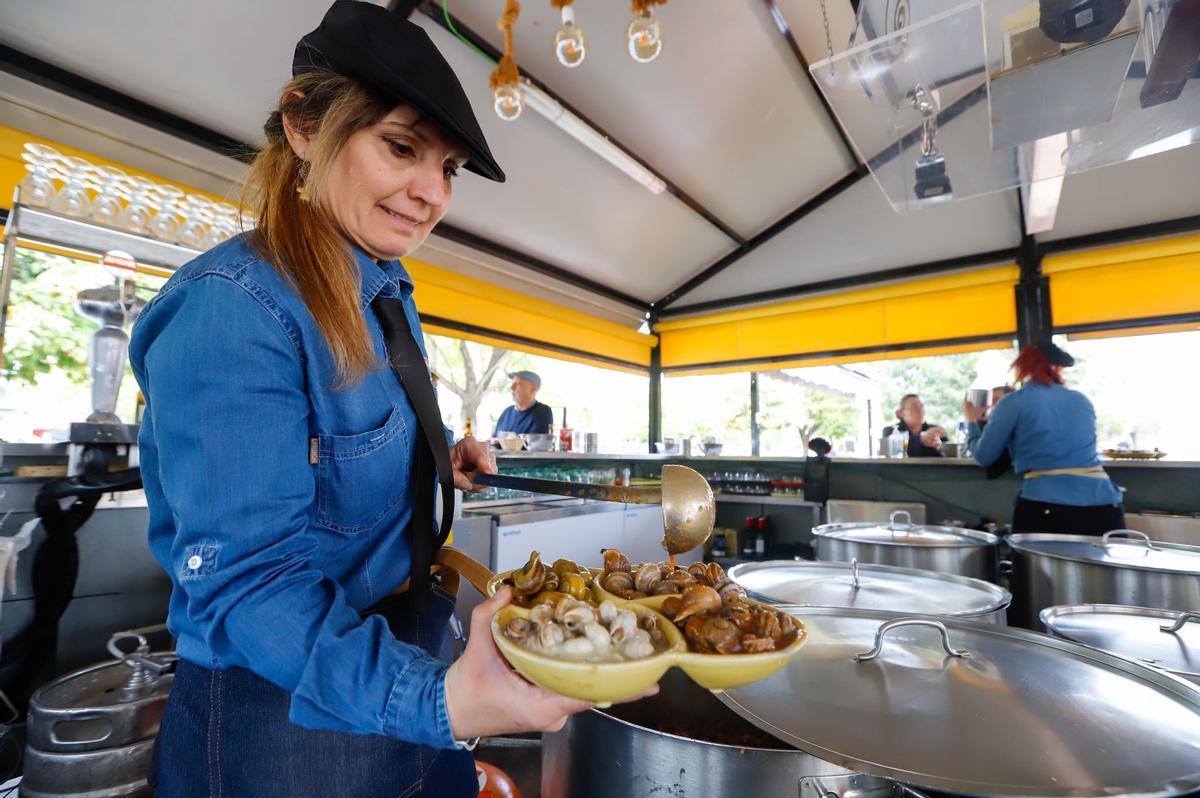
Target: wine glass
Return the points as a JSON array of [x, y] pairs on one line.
[[37, 188], [165, 225], [137, 214], [73, 199], [109, 183]]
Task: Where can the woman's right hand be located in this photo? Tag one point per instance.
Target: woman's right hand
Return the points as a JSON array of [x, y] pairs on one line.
[[485, 696]]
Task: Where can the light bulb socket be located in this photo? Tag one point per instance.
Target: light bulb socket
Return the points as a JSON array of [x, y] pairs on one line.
[[568, 15]]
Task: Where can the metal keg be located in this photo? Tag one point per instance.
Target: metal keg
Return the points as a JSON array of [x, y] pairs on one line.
[[91, 733]]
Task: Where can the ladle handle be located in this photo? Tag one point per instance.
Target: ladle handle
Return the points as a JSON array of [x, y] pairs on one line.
[[1104, 539], [867, 656], [1183, 618]]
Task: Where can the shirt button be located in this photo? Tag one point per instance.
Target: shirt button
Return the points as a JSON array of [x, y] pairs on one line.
[[194, 562]]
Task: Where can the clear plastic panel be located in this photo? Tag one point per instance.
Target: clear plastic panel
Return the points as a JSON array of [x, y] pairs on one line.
[[977, 97]]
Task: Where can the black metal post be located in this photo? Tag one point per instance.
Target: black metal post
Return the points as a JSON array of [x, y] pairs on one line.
[[754, 431], [1034, 320], [654, 428]]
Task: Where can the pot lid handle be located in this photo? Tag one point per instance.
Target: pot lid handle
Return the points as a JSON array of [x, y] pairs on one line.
[[894, 524], [854, 572], [867, 656], [1183, 618], [1104, 540]]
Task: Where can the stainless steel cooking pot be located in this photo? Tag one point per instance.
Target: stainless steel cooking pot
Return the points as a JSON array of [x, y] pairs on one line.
[[978, 709], [946, 549], [879, 587], [1050, 570], [683, 742], [1162, 638]]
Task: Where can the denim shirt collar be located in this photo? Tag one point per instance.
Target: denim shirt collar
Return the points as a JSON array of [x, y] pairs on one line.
[[388, 278]]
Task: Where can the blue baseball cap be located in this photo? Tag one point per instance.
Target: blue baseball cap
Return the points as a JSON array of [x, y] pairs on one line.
[[528, 376]]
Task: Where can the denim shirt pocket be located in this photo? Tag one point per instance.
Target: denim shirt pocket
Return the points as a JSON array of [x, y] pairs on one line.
[[361, 477]]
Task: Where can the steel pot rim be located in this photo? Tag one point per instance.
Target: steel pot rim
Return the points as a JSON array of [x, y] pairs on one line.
[[982, 539], [1020, 542]]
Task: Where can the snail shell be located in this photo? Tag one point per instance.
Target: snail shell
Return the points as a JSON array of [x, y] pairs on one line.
[[682, 578], [578, 616], [551, 635], [608, 611], [637, 646], [647, 578], [531, 576], [518, 628], [577, 648], [699, 572], [665, 588], [614, 561], [730, 591], [615, 581], [623, 626], [599, 636], [670, 607], [541, 613], [697, 600]]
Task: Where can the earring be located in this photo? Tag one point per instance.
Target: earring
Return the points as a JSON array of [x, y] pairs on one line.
[[302, 191]]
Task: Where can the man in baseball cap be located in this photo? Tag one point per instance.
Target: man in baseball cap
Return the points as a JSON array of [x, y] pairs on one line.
[[526, 415]]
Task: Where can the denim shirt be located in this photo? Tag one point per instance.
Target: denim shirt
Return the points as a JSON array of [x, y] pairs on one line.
[[1046, 427], [277, 503]]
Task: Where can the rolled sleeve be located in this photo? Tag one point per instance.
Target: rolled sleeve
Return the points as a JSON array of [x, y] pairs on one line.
[[229, 411]]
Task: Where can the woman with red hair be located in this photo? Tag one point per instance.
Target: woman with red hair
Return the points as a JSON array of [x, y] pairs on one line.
[[1050, 432]]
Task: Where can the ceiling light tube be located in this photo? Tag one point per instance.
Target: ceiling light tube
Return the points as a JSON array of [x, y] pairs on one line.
[[586, 135]]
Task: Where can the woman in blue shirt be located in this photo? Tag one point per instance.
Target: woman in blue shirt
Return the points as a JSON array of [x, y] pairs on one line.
[[287, 468], [1050, 433]]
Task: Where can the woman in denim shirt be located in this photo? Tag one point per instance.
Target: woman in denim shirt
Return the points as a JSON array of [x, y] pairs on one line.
[[277, 449]]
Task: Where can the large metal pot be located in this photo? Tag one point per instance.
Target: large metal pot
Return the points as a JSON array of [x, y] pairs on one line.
[[945, 549], [1162, 638], [624, 751], [1049, 570], [877, 587], [978, 709]]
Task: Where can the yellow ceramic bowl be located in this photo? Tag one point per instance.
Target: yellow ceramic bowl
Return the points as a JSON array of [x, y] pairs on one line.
[[602, 683], [718, 672]]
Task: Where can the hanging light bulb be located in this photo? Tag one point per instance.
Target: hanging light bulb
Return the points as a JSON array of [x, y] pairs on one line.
[[645, 36], [570, 45], [508, 102]]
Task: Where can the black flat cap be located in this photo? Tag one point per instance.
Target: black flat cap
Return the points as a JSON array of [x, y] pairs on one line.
[[382, 49], [1056, 356]]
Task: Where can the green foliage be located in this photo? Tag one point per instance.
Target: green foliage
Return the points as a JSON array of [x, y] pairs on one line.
[[44, 332], [941, 381], [824, 415]]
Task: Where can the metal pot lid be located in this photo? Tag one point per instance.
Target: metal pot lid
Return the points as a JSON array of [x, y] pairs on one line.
[[1121, 548], [901, 531], [1020, 714], [1167, 639], [100, 686], [869, 586]]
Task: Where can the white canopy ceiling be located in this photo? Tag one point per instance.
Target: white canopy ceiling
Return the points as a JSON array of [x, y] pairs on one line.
[[726, 115]]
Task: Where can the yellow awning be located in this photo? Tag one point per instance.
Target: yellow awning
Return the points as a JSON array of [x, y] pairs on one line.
[[964, 305], [509, 318], [1135, 281], [895, 354]]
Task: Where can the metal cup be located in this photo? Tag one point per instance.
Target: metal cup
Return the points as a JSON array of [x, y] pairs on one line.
[[978, 396]]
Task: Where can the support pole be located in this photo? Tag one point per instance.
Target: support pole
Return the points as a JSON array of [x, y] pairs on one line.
[[654, 426], [754, 431]]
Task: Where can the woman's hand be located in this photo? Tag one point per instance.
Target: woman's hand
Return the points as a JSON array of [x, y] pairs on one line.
[[485, 697], [972, 413], [470, 456]]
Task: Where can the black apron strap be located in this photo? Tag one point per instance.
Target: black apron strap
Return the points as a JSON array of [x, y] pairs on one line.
[[432, 458]]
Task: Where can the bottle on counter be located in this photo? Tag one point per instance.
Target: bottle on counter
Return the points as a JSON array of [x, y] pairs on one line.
[[748, 537], [760, 537], [467, 433], [718, 548]]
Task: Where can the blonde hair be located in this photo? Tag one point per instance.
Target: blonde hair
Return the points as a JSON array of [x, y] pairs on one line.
[[296, 234]]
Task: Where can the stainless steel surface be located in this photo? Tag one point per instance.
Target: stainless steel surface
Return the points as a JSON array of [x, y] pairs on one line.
[[945, 549], [1162, 638], [1022, 715], [1051, 570], [879, 587], [534, 511], [622, 752], [899, 623], [91, 733], [979, 396], [1167, 528], [578, 490], [43, 226], [839, 511]]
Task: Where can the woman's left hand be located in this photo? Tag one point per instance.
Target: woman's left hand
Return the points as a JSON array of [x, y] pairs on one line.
[[468, 457]]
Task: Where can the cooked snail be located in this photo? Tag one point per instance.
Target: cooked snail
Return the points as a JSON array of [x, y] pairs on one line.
[[579, 631]]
